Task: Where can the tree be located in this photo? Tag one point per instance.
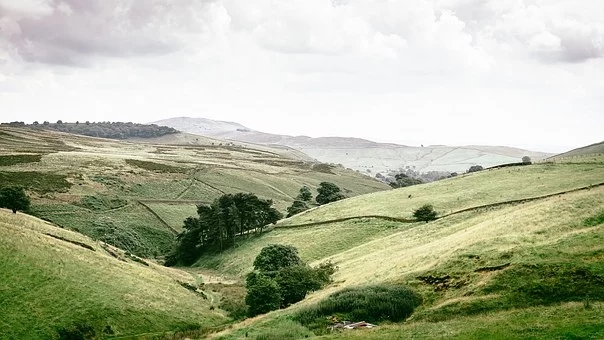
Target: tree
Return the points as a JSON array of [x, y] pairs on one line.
[[14, 198], [262, 294], [296, 208], [279, 265], [295, 282], [425, 213], [328, 192], [276, 256], [403, 180], [305, 194], [475, 168], [220, 223], [526, 160]]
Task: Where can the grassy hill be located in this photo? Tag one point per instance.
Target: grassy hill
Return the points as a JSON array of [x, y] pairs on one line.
[[55, 279], [594, 150], [522, 258], [135, 195]]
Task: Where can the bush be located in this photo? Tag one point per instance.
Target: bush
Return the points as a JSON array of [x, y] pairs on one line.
[[328, 192], [14, 198], [372, 304], [276, 256], [77, 332], [526, 160], [475, 168], [262, 295], [425, 213], [296, 208]]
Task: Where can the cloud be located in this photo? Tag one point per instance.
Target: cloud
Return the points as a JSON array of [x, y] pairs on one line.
[[72, 32]]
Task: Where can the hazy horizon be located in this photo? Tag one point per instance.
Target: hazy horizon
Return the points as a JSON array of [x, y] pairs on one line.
[[520, 73]]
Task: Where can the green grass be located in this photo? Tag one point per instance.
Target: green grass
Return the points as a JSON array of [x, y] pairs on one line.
[[8, 160], [38, 182], [49, 284], [154, 166], [174, 214], [132, 228], [554, 261], [480, 188], [313, 243]]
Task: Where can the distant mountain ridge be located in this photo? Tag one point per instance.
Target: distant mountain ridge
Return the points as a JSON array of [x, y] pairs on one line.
[[361, 154]]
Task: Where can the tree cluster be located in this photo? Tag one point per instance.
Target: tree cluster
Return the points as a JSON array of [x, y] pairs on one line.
[[220, 223], [280, 278], [327, 192], [114, 130], [14, 198], [402, 180], [475, 168]]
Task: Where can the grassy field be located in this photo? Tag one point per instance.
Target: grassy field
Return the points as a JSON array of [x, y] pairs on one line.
[[73, 181], [64, 280], [480, 188], [529, 269]]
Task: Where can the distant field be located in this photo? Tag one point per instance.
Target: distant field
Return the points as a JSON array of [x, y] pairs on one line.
[[54, 282], [60, 170]]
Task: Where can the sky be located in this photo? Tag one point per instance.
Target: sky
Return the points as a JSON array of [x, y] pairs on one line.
[[525, 73]]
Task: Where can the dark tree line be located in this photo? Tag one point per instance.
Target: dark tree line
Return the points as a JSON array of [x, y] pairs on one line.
[[218, 224], [114, 130]]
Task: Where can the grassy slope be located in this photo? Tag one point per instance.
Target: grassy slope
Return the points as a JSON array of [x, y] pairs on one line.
[[485, 187], [161, 177], [533, 237], [592, 150], [49, 283]]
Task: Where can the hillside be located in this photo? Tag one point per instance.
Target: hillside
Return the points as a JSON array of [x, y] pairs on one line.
[[522, 246], [136, 195], [360, 154], [55, 279], [595, 150]]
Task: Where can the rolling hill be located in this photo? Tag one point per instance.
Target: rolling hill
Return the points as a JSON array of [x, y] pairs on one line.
[[594, 150], [514, 248], [136, 195], [55, 279], [360, 154]]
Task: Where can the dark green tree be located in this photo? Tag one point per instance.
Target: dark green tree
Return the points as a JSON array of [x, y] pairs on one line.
[[402, 180], [328, 192], [296, 208], [263, 294], [425, 213], [295, 282], [526, 160], [276, 256], [294, 279], [305, 194], [220, 223], [475, 168], [14, 198]]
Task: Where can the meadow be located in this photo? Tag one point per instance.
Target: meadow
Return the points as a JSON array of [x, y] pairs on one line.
[[136, 195]]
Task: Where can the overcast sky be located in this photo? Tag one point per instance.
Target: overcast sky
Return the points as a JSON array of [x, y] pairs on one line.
[[527, 73]]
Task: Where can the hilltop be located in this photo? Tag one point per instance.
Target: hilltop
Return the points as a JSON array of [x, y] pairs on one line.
[[360, 154], [136, 195], [596, 149], [512, 245]]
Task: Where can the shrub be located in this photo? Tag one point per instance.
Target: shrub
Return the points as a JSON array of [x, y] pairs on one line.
[[328, 192], [262, 295], [77, 332], [526, 160], [276, 256], [425, 213], [14, 198], [296, 208], [372, 303], [475, 168]]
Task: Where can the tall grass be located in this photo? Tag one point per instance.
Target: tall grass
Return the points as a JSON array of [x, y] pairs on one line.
[[375, 303]]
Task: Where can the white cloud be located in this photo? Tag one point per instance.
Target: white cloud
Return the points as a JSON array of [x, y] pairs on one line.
[[429, 71]]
